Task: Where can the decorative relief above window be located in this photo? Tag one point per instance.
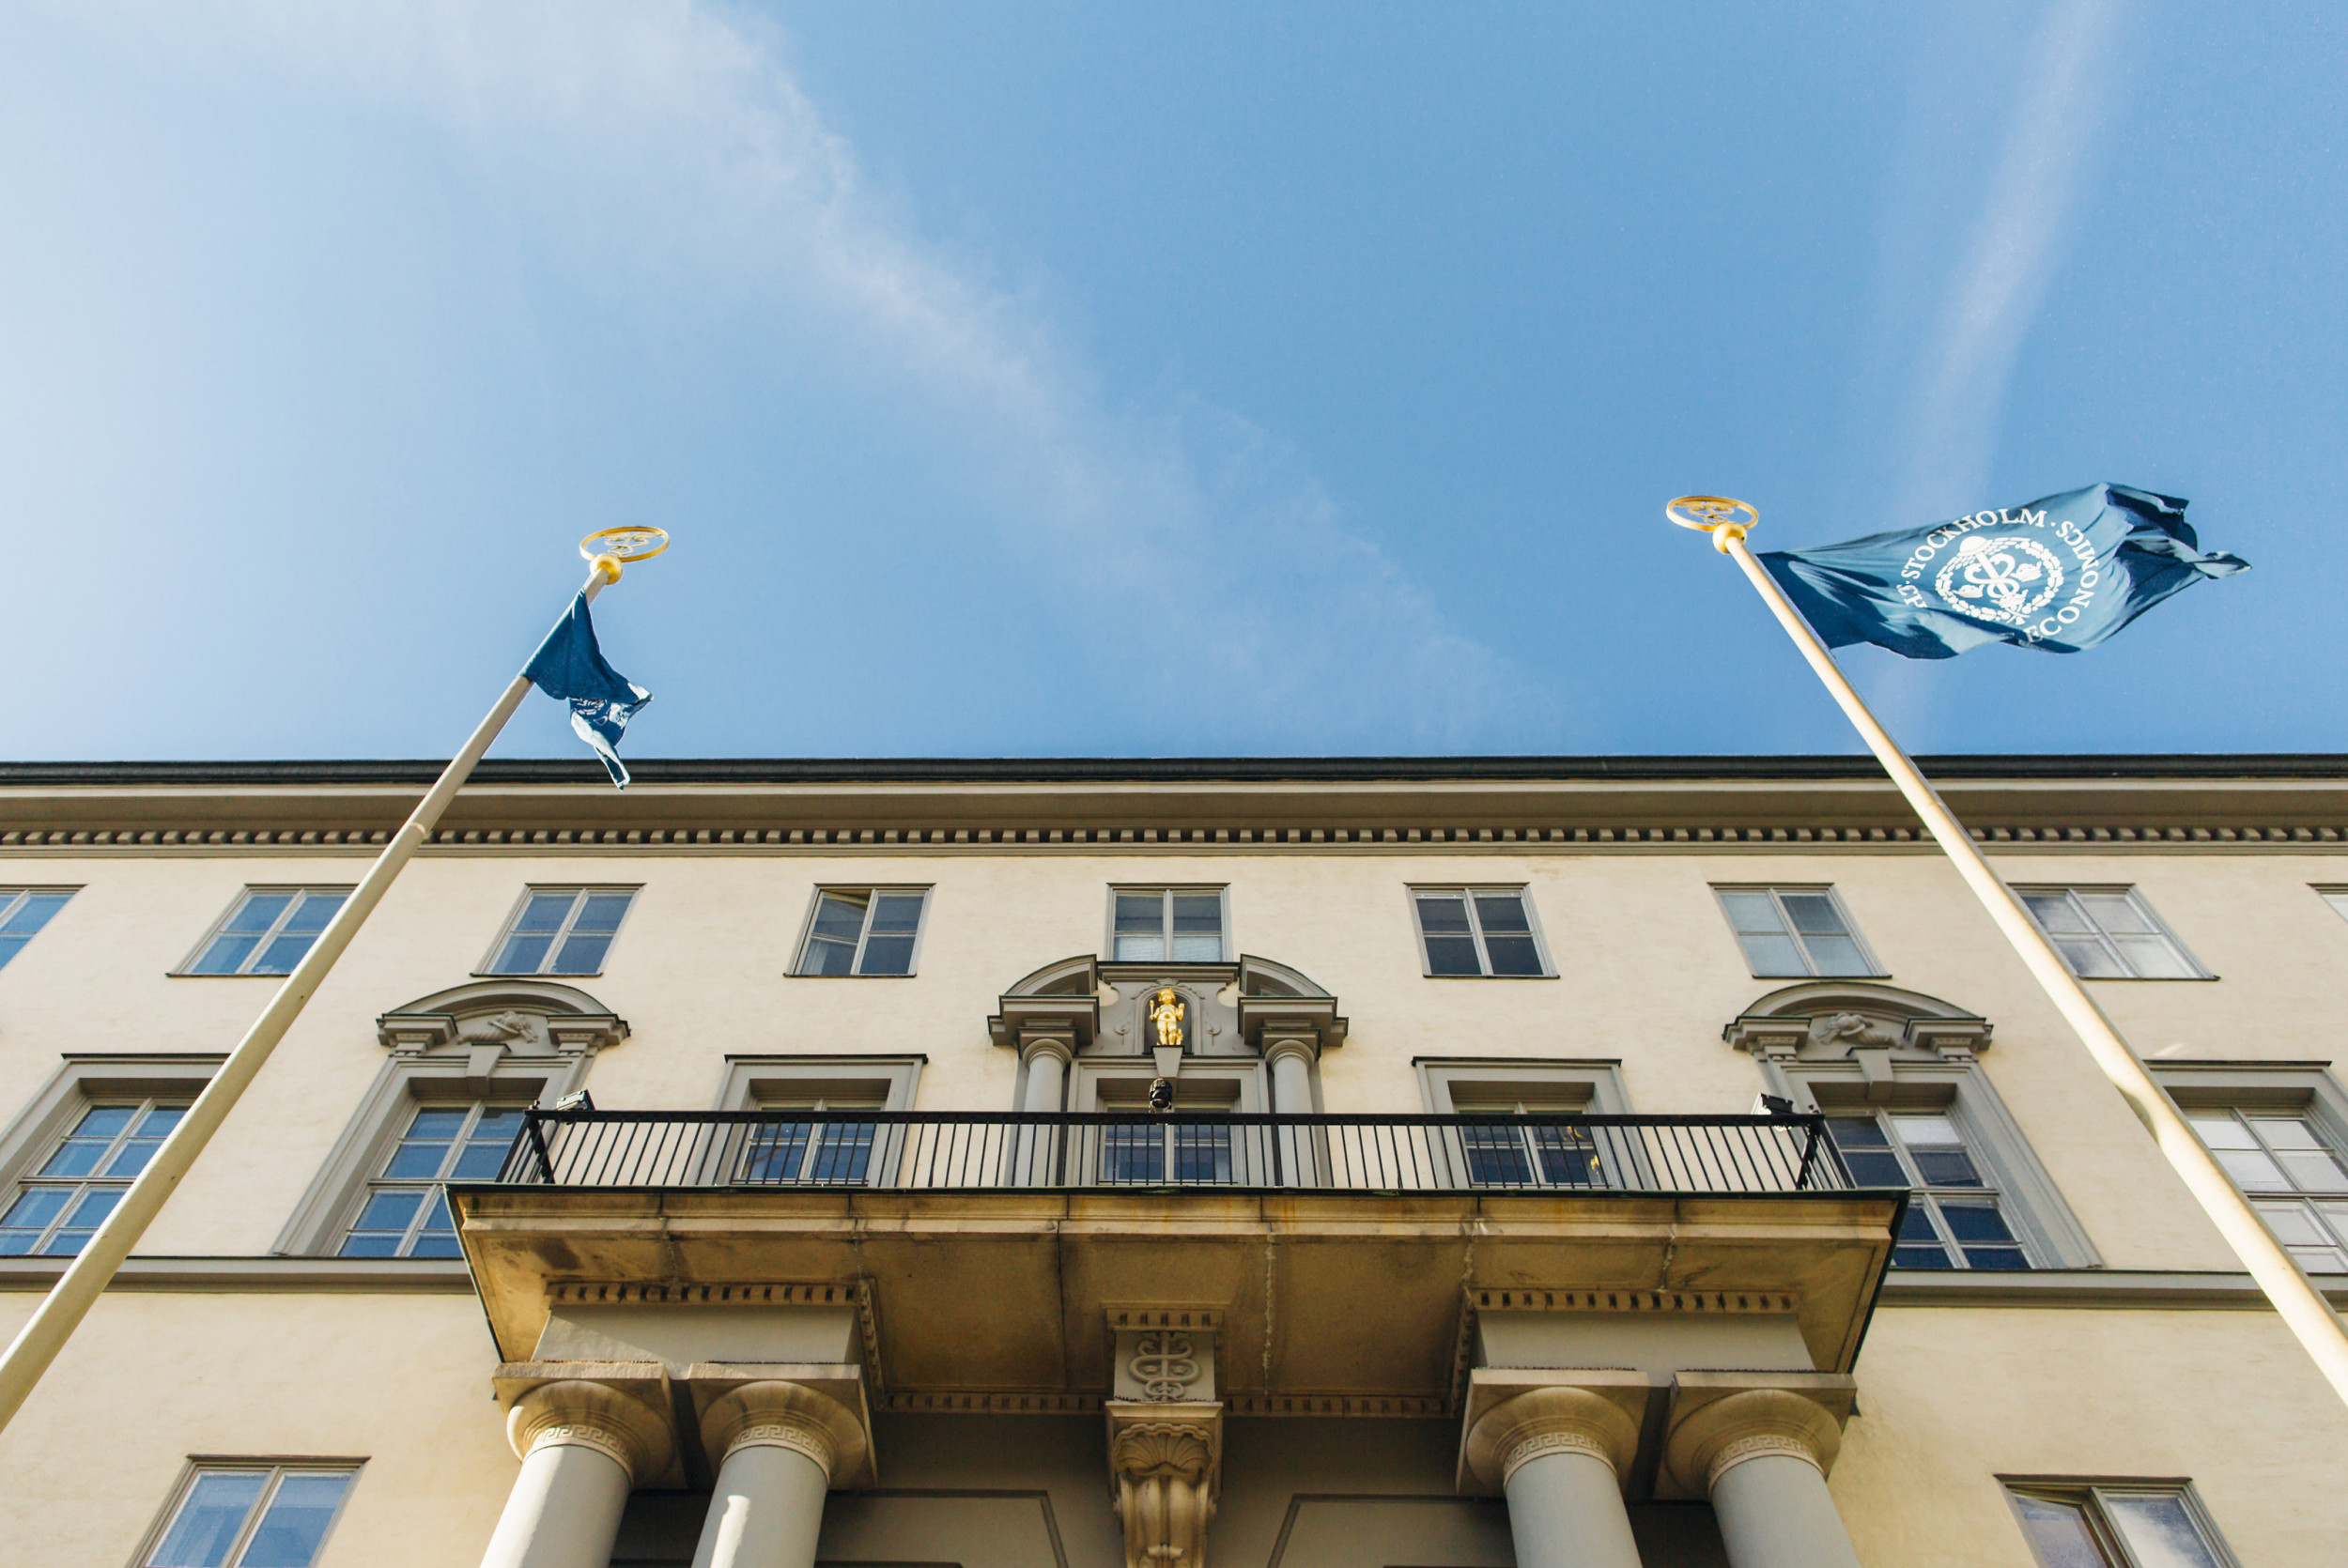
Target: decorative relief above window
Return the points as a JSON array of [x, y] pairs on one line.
[[1907, 1104]]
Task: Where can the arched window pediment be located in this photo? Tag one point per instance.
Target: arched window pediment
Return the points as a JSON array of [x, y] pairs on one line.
[[1828, 1019], [527, 1018]]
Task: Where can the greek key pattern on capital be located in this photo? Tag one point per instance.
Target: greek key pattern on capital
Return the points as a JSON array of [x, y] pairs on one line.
[[800, 1437], [1539, 1445], [1758, 1445], [577, 1435]]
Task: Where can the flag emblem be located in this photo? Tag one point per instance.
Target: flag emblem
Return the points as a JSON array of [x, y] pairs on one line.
[[2001, 580]]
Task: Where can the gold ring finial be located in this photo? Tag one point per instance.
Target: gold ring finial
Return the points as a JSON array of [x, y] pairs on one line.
[[624, 544]]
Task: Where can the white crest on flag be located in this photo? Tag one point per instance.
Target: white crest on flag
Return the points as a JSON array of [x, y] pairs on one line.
[[1999, 577]]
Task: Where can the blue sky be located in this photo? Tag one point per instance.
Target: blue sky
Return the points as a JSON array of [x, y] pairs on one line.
[[1096, 378]]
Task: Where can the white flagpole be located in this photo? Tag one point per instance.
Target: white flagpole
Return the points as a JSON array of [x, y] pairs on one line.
[[71, 1298], [2311, 1318]]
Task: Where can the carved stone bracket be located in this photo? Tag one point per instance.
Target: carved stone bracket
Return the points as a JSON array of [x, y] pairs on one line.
[[1719, 1419], [1165, 1470]]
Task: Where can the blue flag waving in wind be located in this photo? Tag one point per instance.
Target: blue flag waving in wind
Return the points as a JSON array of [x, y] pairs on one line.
[[569, 668], [2061, 574]]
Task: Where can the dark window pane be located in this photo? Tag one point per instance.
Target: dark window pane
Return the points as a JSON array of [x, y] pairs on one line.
[[1813, 914], [289, 1534], [225, 953], [388, 1211], [1202, 1154], [160, 1120], [9, 947], [887, 955], [479, 1161], [1501, 912], [582, 953], [523, 955], [1982, 1234], [436, 1244], [369, 1245], [1858, 1133], [1772, 955], [258, 912], [897, 913], [844, 1151], [1512, 955], [83, 1220], [1140, 912], [773, 1152], [1132, 1151], [208, 1521], [28, 1217], [1452, 955], [1198, 928], [315, 911], [1919, 1245], [827, 957], [840, 917], [1945, 1167], [2060, 1531], [602, 912], [1496, 1156], [1441, 913], [544, 911], [1567, 1156]]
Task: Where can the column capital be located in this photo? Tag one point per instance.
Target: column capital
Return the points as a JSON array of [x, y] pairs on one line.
[[1517, 1414], [1719, 1420], [1165, 1470], [618, 1408], [821, 1415], [1305, 1047], [1034, 1043]]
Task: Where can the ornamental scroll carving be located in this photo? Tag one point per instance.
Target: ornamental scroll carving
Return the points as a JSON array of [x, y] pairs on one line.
[[1164, 1365], [1166, 1474]]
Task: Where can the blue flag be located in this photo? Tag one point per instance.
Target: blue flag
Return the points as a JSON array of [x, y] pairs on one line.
[[2061, 574], [569, 668]]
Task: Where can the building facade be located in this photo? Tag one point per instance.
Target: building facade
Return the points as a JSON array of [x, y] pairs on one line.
[[1427, 1163]]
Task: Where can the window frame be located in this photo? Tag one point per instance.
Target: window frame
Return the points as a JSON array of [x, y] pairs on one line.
[[1165, 891], [97, 1177], [1468, 892], [579, 892], [2085, 1493], [2306, 1089], [1775, 891], [186, 968], [2134, 893], [432, 1186], [871, 892], [1929, 1199], [276, 1469], [2334, 895], [14, 899], [2033, 1207], [83, 1081]]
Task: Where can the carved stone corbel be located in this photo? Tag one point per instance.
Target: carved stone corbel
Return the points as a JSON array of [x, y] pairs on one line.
[[1166, 1467]]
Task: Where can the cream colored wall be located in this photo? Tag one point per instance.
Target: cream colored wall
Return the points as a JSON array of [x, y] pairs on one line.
[[1950, 1399], [1648, 974]]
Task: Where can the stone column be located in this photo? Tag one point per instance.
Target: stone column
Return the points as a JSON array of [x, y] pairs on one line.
[[1559, 1452], [1290, 1058], [584, 1445], [1761, 1453], [778, 1445], [1038, 1156]]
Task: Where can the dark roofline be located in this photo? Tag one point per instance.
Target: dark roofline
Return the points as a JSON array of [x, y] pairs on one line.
[[1177, 770]]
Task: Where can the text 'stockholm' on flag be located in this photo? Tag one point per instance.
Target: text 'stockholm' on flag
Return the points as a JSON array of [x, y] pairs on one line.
[[2061, 574], [569, 668]]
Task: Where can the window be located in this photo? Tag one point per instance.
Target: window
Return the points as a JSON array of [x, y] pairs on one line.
[[22, 912], [864, 930], [2117, 1524], [251, 1516], [2335, 897], [1166, 925], [1152, 1150], [2110, 933], [561, 930], [267, 930], [1793, 931], [1501, 1154], [1953, 1220], [58, 1207], [2296, 1178], [818, 1151], [406, 1211], [1477, 931]]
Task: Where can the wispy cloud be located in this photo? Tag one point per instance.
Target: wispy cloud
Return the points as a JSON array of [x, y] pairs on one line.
[[675, 137], [2010, 251]]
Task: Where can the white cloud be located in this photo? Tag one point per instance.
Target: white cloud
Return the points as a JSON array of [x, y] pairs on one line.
[[673, 137], [2015, 242]]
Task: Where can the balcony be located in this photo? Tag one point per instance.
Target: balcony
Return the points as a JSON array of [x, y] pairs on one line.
[[1344, 1261], [975, 1151]]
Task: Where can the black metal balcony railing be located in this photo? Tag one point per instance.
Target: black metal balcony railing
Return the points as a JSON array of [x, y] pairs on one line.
[[984, 1152]]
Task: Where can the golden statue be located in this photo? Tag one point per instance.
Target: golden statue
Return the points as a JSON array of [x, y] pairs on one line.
[[1165, 1012]]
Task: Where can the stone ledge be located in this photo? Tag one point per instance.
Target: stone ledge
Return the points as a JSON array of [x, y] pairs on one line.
[[357, 1276], [2111, 1289]]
